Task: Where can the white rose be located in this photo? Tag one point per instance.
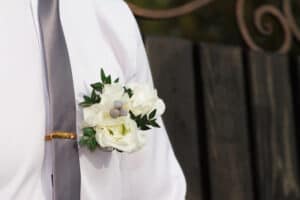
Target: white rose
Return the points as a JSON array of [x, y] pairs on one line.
[[92, 115], [95, 114], [121, 133], [112, 93], [145, 100]]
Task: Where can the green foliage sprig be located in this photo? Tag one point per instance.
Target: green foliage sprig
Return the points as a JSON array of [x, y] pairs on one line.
[[97, 90], [144, 122], [90, 100], [128, 91], [89, 138]]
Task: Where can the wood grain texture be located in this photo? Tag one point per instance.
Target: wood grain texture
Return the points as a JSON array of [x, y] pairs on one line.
[[172, 67], [226, 122], [273, 127]]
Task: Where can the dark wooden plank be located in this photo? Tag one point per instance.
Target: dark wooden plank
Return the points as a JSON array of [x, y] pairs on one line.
[[172, 67], [273, 127], [226, 121]]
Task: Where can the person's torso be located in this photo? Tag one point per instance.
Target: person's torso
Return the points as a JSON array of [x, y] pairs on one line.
[[97, 36]]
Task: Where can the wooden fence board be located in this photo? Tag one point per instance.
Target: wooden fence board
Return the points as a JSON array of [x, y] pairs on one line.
[[249, 129], [273, 127], [226, 122], [172, 67]]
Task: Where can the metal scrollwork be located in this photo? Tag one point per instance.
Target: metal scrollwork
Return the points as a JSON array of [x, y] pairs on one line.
[[266, 28], [168, 13], [284, 17], [291, 19]]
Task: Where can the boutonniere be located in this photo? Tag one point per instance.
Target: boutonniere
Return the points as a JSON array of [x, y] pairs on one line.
[[116, 116]]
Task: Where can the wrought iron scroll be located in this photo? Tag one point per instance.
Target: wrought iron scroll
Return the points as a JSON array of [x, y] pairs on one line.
[[291, 19], [169, 13], [285, 18]]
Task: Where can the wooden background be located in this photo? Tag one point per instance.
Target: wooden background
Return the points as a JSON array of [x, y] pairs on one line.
[[232, 118]]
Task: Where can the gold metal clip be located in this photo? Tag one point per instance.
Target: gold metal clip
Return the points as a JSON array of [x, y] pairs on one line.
[[60, 135]]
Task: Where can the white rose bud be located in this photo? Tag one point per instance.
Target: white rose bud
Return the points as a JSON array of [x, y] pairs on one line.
[[145, 100]]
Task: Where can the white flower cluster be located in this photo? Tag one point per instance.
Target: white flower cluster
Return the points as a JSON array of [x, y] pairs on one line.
[[115, 118]]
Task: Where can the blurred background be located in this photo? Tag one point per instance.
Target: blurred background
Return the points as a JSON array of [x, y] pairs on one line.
[[229, 71], [216, 22]]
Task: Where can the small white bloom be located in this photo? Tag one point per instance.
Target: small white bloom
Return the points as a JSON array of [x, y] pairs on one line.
[[145, 100], [121, 133], [113, 93], [95, 114]]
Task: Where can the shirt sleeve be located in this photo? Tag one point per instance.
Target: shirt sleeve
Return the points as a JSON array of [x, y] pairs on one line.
[[153, 172]]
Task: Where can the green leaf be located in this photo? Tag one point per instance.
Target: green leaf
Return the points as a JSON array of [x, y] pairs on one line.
[[85, 104], [83, 141], [144, 128], [132, 116], [92, 144], [97, 86], [89, 138], [152, 114], [89, 132], [143, 121], [87, 98], [103, 76], [108, 80], [95, 97], [116, 80], [154, 124], [128, 91]]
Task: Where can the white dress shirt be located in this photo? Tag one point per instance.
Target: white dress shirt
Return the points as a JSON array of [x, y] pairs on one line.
[[99, 33]]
